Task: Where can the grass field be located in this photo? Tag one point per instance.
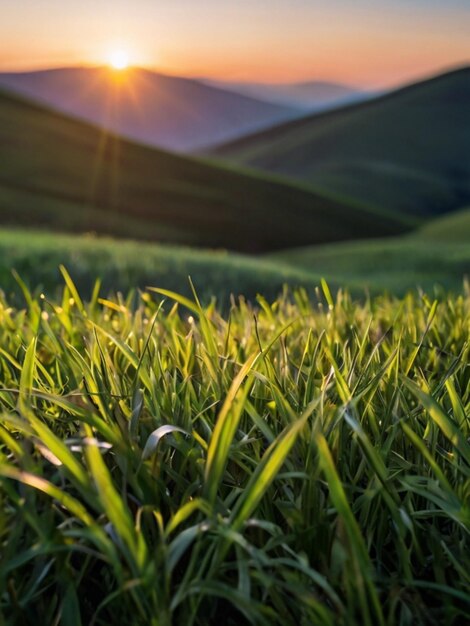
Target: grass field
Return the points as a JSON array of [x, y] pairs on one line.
[[406, 151], [453, 228], [171, 459], [65, 175], [301, 462], [436, 254], [126, 265], [395, 264]]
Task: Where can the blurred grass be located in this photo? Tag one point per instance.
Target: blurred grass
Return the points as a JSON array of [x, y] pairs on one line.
[[396, 265], [424, 260], [124, 265], [453, 228]]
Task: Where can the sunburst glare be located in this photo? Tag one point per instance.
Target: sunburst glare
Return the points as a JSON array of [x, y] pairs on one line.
[[119, 60]]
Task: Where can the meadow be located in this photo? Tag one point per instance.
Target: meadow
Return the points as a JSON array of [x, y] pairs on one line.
[[434, 259], [437, 254], [126, 265], [298, 461], [177, 449]]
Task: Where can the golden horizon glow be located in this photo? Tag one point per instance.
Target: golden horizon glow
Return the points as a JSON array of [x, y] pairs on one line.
[[119, 60], [364, 43]]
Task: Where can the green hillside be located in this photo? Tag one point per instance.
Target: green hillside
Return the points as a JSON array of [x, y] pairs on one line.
[[449, 228], [395, 264], [62, 174], [407, 151], [126, 265]]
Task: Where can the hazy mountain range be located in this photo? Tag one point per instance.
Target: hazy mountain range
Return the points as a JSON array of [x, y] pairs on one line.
[[174, 112], [167, 111], [310, 96]]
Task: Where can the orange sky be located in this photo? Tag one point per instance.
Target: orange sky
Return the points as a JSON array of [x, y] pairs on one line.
[[370, 43]]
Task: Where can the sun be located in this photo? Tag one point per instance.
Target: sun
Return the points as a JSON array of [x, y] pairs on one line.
[[119, 60]]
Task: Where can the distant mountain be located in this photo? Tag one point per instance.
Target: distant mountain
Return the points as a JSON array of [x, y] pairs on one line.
[[309, 96], [62, 174], [407, 151], [167, 111]]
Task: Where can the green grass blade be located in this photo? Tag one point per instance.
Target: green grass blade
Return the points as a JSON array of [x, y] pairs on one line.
[[265, 473], [224, 431], [450, 429], [368, 597]]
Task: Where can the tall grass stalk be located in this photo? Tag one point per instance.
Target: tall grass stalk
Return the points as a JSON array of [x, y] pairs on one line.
[[305, 461]]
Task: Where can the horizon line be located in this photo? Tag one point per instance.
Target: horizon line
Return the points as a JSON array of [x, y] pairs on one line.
[[216, 79]]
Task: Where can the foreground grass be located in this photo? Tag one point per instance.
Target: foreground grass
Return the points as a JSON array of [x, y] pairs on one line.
[[301, 462]]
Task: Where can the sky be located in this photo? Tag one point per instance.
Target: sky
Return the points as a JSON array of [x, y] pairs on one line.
[[366, 43]]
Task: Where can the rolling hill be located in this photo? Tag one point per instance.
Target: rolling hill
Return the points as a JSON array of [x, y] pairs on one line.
[[127, 265], [406, 151], [437, 253], [453, 228], [166, 111], [395, 264], [61, 174], [309, 96]]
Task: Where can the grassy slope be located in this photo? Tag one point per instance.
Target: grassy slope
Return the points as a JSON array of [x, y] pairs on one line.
[[323, 483], [393, 264], [407, 150], [439, 253], [125, 265], [58, 173], [450, 228], [396, 265]]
